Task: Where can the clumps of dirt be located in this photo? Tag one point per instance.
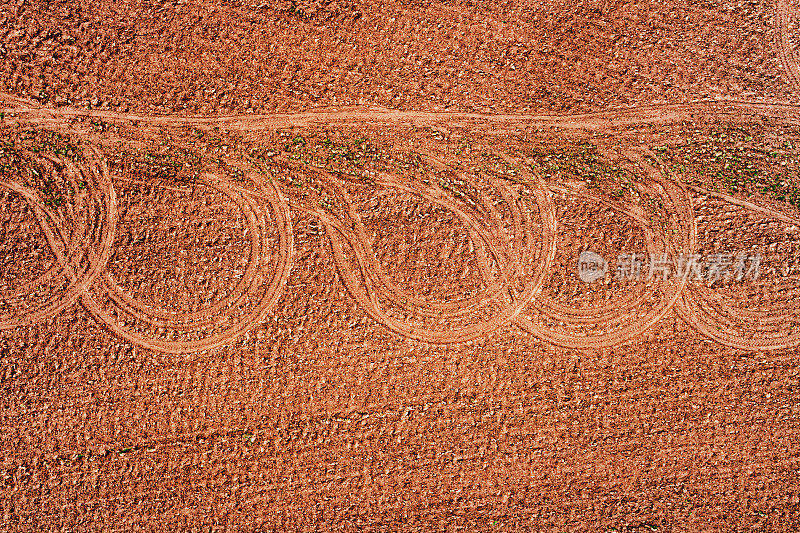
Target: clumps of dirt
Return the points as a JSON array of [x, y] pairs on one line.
[[318, 10], [353, 155], [224, 57], [47, 141], [175, 165], [11, 160]]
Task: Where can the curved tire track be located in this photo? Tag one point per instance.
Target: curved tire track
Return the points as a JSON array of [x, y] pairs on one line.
[[716, 317], [367, 282], [629, 321], [783, 13], [118, 309], [387, 303], [81, 245]]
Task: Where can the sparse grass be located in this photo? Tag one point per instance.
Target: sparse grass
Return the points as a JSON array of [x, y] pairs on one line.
[[737, 161], [99, 125], [342, 155], [18, 161], [174, 165], [51, 142], [582, 162], [52, 196], [10, 159]]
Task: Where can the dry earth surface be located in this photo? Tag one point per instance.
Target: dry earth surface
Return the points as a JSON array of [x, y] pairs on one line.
[[313, 265]]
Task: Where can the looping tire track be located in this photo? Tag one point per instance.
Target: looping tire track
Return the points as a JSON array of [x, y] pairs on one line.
[[83, 244], [367, 282], [711, 315], [555, 310], [484, 238], [628, 322], [247, 289], [81, 253], [783, 12], [364, 276]]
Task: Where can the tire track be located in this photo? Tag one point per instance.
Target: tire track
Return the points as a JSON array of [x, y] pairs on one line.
[[80, 251], [33, 113], [82, 242], [724, 319], [367, 282], [714, 317], [784, 11], [710, 314], [211, 327], [616, 324], [513, 260]]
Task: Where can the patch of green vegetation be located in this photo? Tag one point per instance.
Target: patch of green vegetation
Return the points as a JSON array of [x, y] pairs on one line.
[[16, 163], [51, 142], [738, 161], [413, 159], [10, 158], [52, 196], [582, 162], [99, 125], [298, 140], [175, 165], [338, 154]]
